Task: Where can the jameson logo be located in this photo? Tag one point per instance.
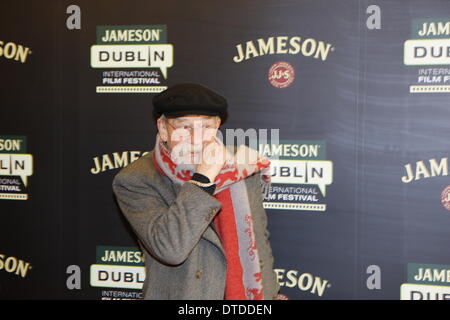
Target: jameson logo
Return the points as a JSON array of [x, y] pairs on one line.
[[120, 256], [282, 45], [14, 51], [131, 34], [300, 174], [426, 282], [282, 74], [141, 50], [430, 43], [433, 28], [303, 281], [14, 265], [429, 274], [429, 46], [116, 160], [15, 167], [118, 267], [425, 169]]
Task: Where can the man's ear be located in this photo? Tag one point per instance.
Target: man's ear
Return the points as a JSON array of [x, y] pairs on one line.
[[162, 129]]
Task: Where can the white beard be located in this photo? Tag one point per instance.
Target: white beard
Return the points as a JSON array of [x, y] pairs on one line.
[[181, 155]]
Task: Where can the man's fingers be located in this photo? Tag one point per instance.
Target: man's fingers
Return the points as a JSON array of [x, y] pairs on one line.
[[213, 154]]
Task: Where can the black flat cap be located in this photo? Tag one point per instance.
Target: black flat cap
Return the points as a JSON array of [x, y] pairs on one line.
[[190, 98]]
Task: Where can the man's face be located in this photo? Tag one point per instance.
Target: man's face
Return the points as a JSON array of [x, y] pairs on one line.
[[187, 135]]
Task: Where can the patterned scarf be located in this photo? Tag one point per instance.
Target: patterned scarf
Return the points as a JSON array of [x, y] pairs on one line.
[[234, 222]]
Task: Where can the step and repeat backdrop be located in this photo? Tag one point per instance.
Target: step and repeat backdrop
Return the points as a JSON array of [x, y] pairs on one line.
[[359, 92]]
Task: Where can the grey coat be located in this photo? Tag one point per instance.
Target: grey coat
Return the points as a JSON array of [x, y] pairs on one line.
[[184, 257]]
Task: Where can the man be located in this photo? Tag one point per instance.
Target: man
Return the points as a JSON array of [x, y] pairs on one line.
[[196, 208]]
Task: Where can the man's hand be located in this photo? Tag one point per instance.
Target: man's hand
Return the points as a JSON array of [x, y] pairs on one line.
[[213, 158]]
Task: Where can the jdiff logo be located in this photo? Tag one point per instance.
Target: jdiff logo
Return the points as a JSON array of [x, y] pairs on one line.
[[15, 167]]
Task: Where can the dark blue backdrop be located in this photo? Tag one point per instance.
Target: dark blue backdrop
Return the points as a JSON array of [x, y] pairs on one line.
[[377, 231]]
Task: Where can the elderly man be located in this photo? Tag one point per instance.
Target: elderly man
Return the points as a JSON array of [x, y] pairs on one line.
[[196, 207]]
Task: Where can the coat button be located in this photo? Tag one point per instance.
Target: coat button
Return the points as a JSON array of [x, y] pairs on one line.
[[198, 274]]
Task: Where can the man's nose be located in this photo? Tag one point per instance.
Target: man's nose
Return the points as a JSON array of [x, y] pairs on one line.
[[197, 136]]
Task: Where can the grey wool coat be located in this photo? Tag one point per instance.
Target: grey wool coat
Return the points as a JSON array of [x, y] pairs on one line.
[[184, 257]]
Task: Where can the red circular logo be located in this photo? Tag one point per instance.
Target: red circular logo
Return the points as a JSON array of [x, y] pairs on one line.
[[445, 198], [281, 74]]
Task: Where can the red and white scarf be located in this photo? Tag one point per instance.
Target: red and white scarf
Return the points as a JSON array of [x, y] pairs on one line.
[[234, 221]]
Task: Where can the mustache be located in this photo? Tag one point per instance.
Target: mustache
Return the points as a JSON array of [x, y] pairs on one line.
[[186, 148], [181, 155]]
